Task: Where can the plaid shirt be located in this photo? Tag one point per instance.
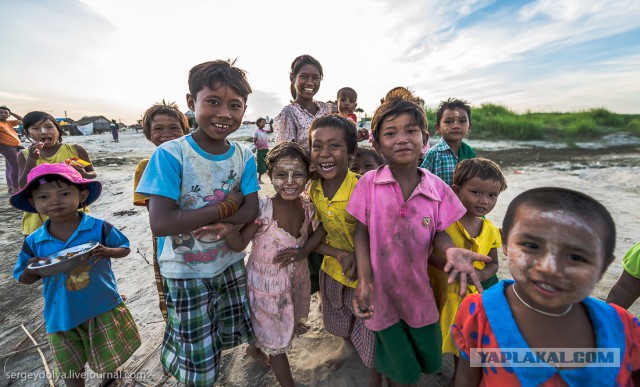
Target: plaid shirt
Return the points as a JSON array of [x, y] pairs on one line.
[[441, 161]]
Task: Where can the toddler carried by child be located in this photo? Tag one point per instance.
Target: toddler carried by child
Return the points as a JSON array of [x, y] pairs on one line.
[[453, 123], [162, 122], [477, 182], [558, 243], [393, 240], [47, 147], [347, 101], [85, 317], [192, 182]]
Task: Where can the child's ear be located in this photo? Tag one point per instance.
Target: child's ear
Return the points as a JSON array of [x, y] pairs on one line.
[[191, 102], [437, 128], [376, 146], [456, 190], [425, 138], [84, 194], [505, 250]]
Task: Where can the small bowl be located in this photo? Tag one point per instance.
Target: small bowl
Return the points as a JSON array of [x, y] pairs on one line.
[[64, 261]]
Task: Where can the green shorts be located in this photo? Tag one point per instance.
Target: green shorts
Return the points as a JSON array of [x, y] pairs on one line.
[[261, 162], [403, 353], [105, 342]]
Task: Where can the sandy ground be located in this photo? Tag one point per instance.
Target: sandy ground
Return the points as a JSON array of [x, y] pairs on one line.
[[610, 174]]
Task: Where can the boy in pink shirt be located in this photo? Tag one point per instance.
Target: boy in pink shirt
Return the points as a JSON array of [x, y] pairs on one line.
[[402, 213]]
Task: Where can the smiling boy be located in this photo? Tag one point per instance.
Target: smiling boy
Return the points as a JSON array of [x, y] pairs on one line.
[[191, 182]]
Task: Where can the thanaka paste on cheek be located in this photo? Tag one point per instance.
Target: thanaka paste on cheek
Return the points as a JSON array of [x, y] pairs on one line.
[[291, 166]]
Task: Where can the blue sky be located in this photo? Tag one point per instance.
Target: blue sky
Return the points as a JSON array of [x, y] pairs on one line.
[[116, 58]]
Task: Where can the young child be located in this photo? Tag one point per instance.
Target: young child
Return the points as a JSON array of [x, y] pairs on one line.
[[261, 141], [162, 122], [85, 317], [558, 243], [477, 182], [332, 140], [45, 134], [9, 147], [191, 182], [393, 240], [347, 101], [366, 159], [453, 123], [277, 274], [627, 290]]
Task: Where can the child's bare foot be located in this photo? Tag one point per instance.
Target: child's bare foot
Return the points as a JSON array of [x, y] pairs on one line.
[[345, 351], [260, 357], [302, 328]]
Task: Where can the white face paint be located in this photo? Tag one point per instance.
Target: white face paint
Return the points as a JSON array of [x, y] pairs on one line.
[[289, 177], [556, 257]]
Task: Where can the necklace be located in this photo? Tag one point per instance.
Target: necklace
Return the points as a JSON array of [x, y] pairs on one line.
[[541, 311]]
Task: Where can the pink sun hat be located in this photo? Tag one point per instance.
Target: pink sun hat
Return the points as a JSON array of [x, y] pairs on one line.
[[20, 199]]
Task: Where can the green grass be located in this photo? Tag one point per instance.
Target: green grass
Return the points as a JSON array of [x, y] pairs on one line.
[[492, 122]]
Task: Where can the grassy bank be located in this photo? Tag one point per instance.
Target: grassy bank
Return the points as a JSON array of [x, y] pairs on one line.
[[492, 122]]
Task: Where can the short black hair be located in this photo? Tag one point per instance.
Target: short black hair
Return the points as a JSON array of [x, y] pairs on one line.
[[223, 72], [577, 203], [336, 121], [347, 89], [260, 119], [36, 117], [364, 151], [481, 168], [286, 149], [453, 103]]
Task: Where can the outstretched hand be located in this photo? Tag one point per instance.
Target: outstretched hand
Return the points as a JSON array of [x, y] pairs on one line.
[[460, 263]]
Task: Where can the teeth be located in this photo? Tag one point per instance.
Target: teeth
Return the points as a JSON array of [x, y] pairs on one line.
[[222, 126], [327, 167], [289, 190], [308, 89], [547, 287]]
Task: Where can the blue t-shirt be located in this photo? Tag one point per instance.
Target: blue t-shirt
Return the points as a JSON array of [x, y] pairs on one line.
[[182, 171], [86, 292]]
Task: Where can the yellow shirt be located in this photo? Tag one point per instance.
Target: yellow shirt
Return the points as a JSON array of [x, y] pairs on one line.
[[30, 220], [139, 199], [338, 223], [447, 295]]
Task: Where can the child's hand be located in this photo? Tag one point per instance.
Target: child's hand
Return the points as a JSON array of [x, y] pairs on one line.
[[290, 255], [101, 252], [348, 263], [34, 150], [214, 231], [460, 262], [30, 276], [361, 302]]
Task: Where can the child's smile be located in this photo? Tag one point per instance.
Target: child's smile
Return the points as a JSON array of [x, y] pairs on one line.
[[329, 152], [307, 81], [289, 177], [218, 112], [556, 257], [164, 128], [401, 140], [478, 196]]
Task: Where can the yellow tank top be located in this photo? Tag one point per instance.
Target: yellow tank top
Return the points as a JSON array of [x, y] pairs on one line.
[[32, 221]]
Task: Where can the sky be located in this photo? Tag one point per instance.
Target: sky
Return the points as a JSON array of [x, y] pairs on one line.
[[116, 58]]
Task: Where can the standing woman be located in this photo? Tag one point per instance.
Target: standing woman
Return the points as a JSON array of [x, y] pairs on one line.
[[292, 124]]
